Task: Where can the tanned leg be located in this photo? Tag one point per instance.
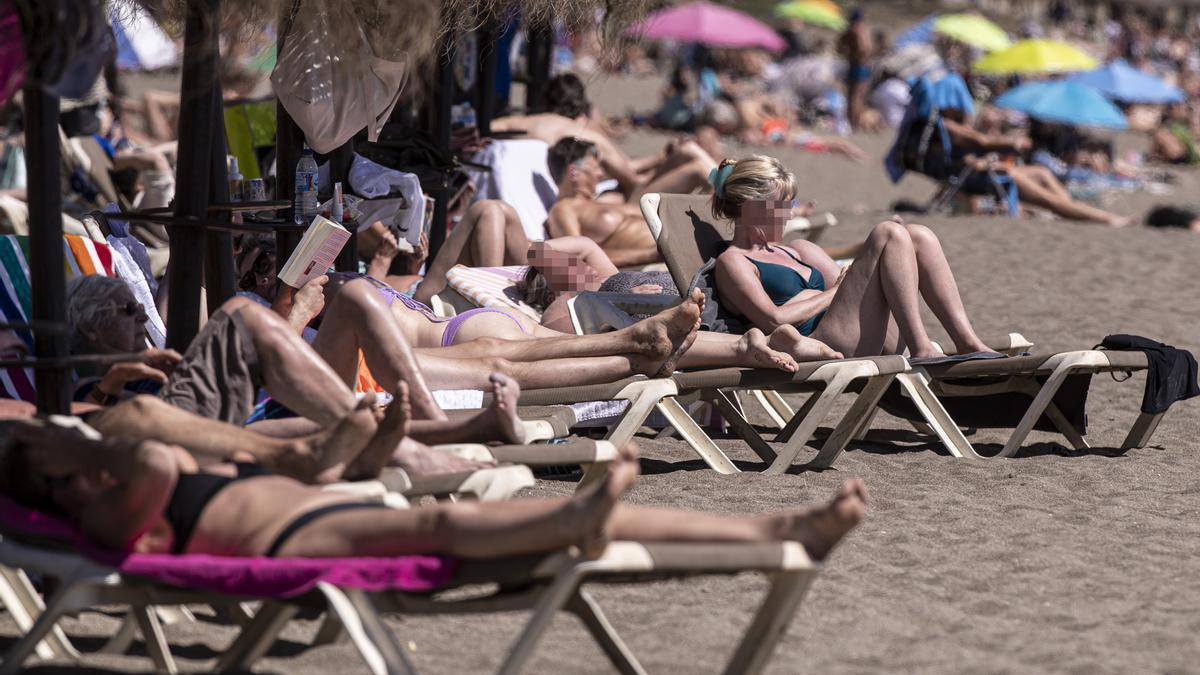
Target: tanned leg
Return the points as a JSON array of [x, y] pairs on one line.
[[940, 291], [489, 235]]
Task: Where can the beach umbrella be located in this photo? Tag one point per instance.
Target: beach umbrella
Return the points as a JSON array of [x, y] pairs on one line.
[[1064, 101], [973, 30], [708, 24], [813, 12], [1122, 82], [919, 34], [1029, 57], [141, 43]]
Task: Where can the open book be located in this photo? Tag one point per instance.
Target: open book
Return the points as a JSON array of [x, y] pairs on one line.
[[322, 242]]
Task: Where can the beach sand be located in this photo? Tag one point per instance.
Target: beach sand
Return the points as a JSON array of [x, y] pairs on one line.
[[1055, 561]]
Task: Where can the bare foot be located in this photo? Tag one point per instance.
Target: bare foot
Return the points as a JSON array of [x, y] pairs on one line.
[[802, 348], [392, 429], [757, 353], [505, 394], [1120, 221], [335, 448], [587, 519], [668, 335], [819, 529], [419, 459]]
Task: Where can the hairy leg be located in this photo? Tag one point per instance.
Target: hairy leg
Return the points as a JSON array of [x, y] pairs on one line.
[[882, 283], [940, 291], [588, 520], [358, 318]]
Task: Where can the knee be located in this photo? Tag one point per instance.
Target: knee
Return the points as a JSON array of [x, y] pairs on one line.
[[486, 209], [498, 365], [891, 231], [921, 235], [487, 343], [356, 295], [140, 408], [237, 304]]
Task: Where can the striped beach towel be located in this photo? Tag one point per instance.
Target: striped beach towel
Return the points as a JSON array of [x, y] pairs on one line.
[[82, 256], [491, 287]]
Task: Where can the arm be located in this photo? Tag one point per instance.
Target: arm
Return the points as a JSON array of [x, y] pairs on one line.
[[563, 221], [588, 251], [964, 134], [300, 307], [742, 289], [616, 164]]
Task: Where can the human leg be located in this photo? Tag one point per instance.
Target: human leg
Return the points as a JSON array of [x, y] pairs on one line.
[[587, 520], [754, 350], [882, 283], [359, 318], [940, 291], [489, 235], [1032, 191]]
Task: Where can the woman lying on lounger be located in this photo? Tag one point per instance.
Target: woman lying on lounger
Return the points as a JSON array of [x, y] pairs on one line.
[[871, 307], [151, 497]]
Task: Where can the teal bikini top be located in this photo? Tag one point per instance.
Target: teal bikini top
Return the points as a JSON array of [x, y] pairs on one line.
[[783, 283]]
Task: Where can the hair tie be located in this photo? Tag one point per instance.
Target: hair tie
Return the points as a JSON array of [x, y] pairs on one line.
[[718, 176]]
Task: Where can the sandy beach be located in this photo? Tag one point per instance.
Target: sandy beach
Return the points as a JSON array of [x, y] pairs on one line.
[[1055, 561]]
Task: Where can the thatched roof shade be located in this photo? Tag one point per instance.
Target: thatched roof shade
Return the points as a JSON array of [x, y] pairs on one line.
[[406, 26]]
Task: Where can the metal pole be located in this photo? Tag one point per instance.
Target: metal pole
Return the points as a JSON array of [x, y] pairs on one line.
[[485, 81], [443, 99], [49, 283], [339, 171], [219, 270], [193, 172]]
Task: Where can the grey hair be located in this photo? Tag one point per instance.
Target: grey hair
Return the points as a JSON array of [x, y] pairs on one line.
[[89, 305]]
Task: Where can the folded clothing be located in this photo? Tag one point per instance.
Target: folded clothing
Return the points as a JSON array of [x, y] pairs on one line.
[[1171, 372]]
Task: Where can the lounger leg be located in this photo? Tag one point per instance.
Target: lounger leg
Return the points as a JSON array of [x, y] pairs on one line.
[[119, 643], [330, 631], [76, 596], [24, 604], [156, 641], [374, 640], [1065, 427], [583, 606], [695, 437], [864, 425], [863, 406], [553, 599], [647, 396], [770, 623], [776, 407], [916, 385], [743, 427], [256, 637], [797, 417], [1044, 398], [1141, 431], [802, 432]]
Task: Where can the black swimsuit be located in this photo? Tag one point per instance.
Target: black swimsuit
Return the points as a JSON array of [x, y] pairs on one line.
[[193, 492]]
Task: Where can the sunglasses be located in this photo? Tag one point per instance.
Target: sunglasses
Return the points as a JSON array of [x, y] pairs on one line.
[[131, 308]]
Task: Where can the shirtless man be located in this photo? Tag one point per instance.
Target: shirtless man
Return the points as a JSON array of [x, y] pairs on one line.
[[855, 46], [680, 167], [620, 229]]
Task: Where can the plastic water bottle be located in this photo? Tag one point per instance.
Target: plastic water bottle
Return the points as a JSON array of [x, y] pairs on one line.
[[305, 208]]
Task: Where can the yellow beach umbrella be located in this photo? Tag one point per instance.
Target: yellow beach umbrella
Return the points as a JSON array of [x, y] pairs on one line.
[[973, 30], [1031, 57], [821, 13]]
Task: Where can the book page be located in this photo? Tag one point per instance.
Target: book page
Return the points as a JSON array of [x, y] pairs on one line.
[[320, 246]]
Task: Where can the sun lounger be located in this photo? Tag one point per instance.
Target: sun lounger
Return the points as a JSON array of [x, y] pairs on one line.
[[1020, 393], [358, 591]]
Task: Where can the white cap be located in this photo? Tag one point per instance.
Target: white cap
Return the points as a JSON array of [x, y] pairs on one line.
[[233, 166]]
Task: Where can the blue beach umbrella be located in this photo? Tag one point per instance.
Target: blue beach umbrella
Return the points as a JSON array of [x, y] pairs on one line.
[[1064, 101], [1122, 82], [919, 33]]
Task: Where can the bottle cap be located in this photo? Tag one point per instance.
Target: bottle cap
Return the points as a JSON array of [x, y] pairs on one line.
[[233, 166], [307, 150]]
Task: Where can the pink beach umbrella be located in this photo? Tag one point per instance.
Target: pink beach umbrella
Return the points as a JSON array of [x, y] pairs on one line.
[[708, 24]]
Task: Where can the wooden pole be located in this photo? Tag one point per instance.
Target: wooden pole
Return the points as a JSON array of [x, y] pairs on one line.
[[289, 141], [443, 99], [193, 172], [339, 171], [485, 80], [541, 51], [219, 271], [46, 258]]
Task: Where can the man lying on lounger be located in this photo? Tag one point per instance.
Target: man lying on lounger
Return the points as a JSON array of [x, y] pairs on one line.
[[682, 166]]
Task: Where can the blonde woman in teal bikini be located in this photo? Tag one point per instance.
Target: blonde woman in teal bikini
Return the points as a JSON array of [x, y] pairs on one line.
[[871, 307]]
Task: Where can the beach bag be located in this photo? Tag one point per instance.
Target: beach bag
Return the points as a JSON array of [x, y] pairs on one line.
[[333, 96], [925, 147]]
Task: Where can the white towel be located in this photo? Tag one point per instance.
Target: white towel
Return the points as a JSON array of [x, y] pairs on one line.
[[519, 176]]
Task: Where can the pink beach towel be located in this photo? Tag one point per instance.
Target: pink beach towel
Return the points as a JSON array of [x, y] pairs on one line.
[[258, 577]]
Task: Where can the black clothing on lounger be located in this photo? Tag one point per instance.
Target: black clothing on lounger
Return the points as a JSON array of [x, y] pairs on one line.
[[1170, 377]]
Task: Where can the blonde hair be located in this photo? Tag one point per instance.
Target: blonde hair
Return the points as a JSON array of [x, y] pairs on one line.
[[753, 178]]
